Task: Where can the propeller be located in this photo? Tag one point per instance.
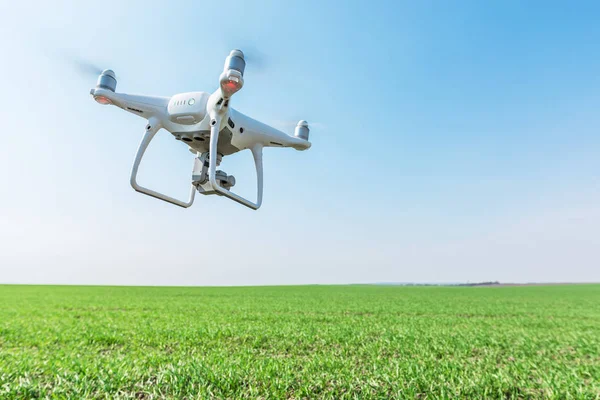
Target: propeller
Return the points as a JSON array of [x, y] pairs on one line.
[[84, 66], [290, 125], [254, 57]]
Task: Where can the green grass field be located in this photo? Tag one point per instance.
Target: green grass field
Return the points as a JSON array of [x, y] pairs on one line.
[[300, 342]]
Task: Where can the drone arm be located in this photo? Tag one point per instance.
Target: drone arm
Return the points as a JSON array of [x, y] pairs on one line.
[[257, 154], [256, 131], [143, 106], [151, 129]]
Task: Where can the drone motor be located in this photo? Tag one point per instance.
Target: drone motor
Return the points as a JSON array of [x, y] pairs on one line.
[[235, 61], [302, 130], [232, 78], [107, 80]]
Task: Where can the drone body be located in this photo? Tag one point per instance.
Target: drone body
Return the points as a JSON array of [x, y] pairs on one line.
[[208, 125]]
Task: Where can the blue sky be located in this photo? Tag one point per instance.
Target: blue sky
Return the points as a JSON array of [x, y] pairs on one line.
[[453, 141]]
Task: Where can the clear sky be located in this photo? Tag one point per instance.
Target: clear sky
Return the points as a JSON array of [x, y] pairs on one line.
[[453, 141]]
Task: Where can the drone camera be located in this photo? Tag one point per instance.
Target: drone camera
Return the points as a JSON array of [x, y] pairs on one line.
[[226, 181], [302, 130]]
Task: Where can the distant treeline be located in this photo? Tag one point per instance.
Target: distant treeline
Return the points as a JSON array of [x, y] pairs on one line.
[[441, 284], [478, 284]]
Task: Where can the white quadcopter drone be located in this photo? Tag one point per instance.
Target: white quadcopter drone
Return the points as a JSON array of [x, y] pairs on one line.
[[208, 125]]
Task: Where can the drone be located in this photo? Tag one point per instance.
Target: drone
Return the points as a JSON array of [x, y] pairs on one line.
[[210, 128]]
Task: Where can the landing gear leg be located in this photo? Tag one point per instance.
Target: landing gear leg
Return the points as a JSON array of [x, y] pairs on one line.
[[151, 129], [214, 179]]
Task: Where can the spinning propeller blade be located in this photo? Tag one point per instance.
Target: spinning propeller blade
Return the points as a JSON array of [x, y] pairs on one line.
[[255, 58], [87, 68], [252, 55], [291, 124], [84, 66]]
